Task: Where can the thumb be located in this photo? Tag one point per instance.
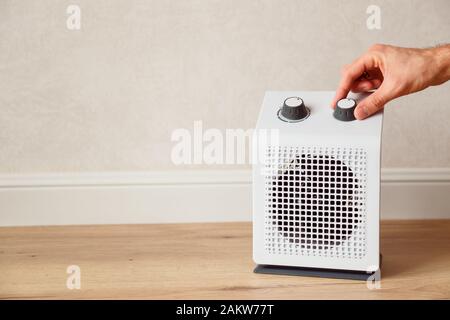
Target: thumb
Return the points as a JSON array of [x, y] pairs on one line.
[[373, 103]]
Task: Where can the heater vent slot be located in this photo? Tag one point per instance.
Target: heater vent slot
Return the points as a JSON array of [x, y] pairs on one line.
[[315, 201]]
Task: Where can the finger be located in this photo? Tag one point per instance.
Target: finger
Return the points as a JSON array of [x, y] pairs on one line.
[[373, 103], [351, 74], [365, 85], [374, 74]]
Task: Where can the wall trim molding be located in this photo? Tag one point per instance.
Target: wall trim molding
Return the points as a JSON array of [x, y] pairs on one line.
[[186, 196], [419, 175], [145, 178], [190, 177]]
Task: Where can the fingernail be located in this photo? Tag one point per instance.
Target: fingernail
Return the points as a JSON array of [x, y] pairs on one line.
[[361, 112]]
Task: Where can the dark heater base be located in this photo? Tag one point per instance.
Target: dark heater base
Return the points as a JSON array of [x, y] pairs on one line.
[[314, 272]]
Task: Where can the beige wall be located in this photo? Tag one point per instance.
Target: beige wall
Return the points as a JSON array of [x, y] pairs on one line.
[[107, 97]]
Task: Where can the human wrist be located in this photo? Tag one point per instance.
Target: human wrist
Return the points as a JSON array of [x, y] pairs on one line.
[[441, 58]]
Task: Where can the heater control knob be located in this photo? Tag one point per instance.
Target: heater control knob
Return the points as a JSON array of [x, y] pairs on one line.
[[293, 110], [344, 110]]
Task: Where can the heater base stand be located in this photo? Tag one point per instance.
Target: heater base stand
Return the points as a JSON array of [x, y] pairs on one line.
[[314, 272]]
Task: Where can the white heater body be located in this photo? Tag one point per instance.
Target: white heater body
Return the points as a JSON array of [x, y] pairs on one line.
[[316, 191]]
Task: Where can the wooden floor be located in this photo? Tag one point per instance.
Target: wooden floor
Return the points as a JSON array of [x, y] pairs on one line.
[[204, 261]]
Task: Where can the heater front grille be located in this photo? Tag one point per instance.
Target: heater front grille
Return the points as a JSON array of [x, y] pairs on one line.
[[315, 201]]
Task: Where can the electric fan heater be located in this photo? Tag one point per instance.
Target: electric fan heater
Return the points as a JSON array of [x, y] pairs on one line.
[[316, 188]]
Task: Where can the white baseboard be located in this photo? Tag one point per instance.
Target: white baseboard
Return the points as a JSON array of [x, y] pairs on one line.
[[186, 196]]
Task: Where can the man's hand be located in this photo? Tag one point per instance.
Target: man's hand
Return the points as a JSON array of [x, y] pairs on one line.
[[392, 72]]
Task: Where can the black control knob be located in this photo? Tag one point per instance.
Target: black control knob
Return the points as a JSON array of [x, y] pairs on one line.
[[344, 110], [293, 110]]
